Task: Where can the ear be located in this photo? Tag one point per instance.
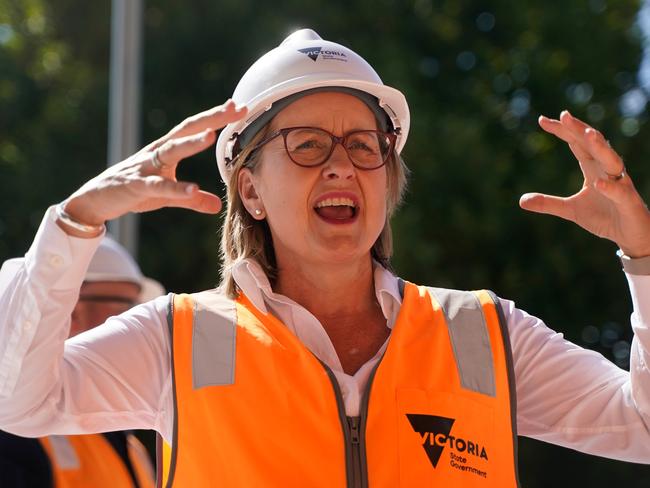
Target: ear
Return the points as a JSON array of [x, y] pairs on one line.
[[248, 194]]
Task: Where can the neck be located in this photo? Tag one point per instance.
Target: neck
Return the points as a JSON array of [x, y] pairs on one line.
[[342, 297], [329, 290]]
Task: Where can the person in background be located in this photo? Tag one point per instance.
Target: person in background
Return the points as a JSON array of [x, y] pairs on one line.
[[112, 285]]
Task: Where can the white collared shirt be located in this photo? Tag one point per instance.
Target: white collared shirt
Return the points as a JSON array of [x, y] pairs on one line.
[[117, 376], [250, 277]]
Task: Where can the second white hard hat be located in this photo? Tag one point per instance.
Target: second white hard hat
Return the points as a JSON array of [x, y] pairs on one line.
[[112, 262], [304, 61]]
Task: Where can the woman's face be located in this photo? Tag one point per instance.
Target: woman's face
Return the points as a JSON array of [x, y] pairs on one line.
[[331, 213]]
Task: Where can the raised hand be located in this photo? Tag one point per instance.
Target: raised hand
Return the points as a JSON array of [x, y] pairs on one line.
[[147, 180], [608, 205]]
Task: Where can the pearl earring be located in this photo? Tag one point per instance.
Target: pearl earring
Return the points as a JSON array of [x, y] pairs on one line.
[[258, 211]]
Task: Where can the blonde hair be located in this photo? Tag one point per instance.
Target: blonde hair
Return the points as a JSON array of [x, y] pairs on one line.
[[245, 237]]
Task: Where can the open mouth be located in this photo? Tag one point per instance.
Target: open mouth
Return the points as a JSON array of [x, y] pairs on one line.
[[337, 210]]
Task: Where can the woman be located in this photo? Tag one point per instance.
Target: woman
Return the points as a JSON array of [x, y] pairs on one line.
[[312, 364]]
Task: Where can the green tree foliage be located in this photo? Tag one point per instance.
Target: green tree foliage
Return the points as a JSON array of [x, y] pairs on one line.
[[477, 76]]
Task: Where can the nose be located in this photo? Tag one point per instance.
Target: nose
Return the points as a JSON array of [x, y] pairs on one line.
[[339, 164]]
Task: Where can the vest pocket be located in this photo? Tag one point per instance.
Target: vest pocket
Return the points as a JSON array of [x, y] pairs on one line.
[[443, 438]]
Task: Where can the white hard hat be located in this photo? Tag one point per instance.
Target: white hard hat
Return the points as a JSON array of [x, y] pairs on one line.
[[112, 262], [301, 63]]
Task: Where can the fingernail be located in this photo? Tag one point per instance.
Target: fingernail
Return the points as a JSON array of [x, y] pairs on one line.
[[525, 197], [189, 189]]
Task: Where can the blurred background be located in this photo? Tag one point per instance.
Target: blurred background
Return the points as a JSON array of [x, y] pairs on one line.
[[476, 75]]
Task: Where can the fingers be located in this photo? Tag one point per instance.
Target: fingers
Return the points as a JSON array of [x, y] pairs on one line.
[[547, 204], [162, 192], [588, 166], [597, 158], [610, 161], [166, 157], [594, 143], [200, 201], [163, 188], [213, 119], [555, 127], [561, 130], [209, 120], [570, 130], [147, 180], [158, 187]]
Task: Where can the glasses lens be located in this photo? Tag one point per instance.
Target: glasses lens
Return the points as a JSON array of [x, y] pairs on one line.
[[308, 147], [368, 149]]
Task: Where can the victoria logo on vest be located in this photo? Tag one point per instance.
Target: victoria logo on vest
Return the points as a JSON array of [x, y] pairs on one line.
[[435, 436]]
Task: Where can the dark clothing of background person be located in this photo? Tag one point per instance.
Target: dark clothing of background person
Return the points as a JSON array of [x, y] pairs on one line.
[[25, 464]]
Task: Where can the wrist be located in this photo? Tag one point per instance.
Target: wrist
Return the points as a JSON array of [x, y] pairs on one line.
[[634, 265], [635, 253], [73, 226]]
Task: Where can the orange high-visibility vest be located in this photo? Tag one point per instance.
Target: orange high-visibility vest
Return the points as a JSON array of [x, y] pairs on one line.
[[90, 461], [254, 407]]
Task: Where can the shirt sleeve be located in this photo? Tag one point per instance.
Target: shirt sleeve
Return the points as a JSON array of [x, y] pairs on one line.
[[575, 397], [113, 377]]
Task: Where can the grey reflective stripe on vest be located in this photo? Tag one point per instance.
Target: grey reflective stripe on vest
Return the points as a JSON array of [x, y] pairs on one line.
[[65, 457], [213, 340], [469, 338]]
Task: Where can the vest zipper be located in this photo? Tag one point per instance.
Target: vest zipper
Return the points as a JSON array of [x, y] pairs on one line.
[[354, 431], [355, 444]]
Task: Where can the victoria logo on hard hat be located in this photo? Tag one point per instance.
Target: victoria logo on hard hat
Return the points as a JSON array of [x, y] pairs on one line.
[[313, 53]]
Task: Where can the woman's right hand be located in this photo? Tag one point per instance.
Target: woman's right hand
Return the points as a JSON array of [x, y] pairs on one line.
[[147, 180]]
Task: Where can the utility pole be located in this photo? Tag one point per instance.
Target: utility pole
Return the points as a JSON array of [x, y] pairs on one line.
[[124, 101]]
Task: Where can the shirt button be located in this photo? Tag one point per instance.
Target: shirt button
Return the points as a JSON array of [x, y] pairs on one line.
[[28, 325], [56, 260]]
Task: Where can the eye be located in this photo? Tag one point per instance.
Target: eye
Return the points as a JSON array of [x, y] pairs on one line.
[[359, 145], [364, 142], [307, 140], [309, 144]]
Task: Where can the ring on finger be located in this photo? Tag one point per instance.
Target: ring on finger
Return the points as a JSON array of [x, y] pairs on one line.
[[615, 177], [155, 160]]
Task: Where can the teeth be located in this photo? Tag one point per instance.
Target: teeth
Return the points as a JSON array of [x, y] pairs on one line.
[[335, 202]]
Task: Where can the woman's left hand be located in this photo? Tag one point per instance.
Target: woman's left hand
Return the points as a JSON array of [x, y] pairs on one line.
[[608, 205]]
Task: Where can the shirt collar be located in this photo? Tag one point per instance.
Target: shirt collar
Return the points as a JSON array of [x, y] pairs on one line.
[[252, 280]]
